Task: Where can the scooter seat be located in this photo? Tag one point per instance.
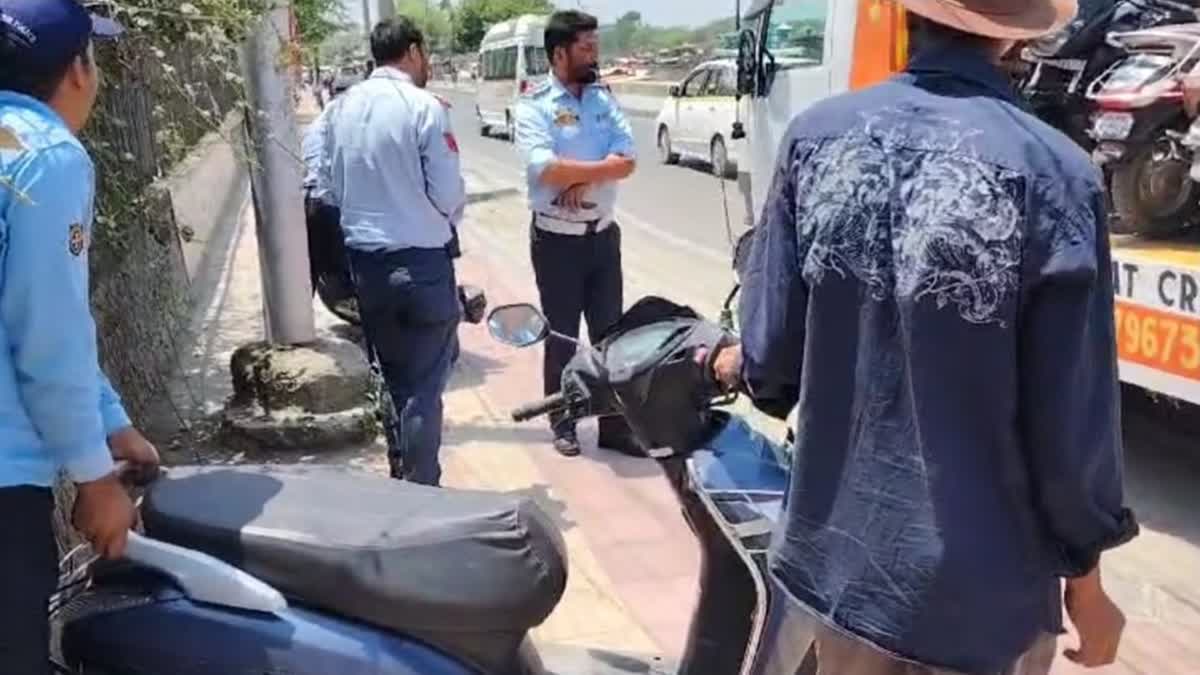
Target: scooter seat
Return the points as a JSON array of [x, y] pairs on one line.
[[446, 565]]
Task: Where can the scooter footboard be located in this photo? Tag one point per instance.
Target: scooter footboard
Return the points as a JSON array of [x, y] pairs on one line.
[[568, 660]]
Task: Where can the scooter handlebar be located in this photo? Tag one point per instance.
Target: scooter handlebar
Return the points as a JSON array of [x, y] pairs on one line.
[[538, 408]]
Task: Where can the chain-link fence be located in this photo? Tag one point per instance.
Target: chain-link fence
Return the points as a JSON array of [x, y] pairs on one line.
[[154, 107]]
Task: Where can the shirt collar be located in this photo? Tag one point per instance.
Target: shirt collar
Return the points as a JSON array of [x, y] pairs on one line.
[[965, 63], [15, 99], [391, 73], [560, 89]]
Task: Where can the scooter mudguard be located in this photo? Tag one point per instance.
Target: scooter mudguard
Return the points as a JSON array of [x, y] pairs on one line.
[[110, 632], [733, 490], [741, 475]]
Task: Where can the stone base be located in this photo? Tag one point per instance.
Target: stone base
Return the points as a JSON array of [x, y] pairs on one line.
[[300, 398], [250, 429]]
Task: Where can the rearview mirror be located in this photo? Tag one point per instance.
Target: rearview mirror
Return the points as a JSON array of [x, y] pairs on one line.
[[747, 63], [675, 91], [518, 325]]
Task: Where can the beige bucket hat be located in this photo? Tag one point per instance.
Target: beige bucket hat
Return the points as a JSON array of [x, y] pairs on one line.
[[1001, 19]]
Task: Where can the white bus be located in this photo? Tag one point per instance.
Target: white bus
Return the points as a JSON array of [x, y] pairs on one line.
[[512, 61]]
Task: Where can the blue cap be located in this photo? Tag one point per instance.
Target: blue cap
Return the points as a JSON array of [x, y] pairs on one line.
[[43, 35]]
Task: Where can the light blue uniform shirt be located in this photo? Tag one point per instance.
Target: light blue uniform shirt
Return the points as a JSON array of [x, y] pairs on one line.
[[553, 123], [57, 408], [394, 165], [316, 174]]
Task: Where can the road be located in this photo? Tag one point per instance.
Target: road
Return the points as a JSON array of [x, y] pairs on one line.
[[683, 201]]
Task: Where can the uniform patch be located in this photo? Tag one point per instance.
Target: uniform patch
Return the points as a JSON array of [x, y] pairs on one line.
[[76, 239], [452, 143], [565, 117]]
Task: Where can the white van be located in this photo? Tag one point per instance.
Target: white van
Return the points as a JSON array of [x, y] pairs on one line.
[[512, 61]]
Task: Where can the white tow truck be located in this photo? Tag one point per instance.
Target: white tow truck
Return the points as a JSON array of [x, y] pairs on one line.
[[793, 53]]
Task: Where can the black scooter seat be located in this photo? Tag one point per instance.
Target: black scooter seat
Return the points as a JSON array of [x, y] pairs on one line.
[[415, 560]]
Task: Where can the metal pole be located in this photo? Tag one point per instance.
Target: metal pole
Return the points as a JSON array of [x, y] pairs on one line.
[[386, 9], [276, 177], [366, 7]]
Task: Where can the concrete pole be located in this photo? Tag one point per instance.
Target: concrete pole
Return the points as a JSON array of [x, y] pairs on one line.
[[386, 9], [276, 176], [366, 7]]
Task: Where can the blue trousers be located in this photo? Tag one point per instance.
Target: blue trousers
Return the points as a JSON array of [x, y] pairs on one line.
[[410, 313]]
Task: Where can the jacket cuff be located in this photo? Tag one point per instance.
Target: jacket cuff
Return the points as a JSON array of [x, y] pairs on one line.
[[1082, 562], [90, 467]]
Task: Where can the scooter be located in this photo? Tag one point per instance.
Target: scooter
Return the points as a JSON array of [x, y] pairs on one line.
[[317, 570], [1054, 72], [1139, 127]]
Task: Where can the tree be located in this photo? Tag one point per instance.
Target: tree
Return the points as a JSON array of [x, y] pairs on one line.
[[626, 31], [318, 20], [432, 20], [475, 17]]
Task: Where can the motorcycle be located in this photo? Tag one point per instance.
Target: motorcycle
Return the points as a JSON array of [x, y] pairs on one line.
[[332, 282], [1139, 128], [1053, 73], [240, 570]]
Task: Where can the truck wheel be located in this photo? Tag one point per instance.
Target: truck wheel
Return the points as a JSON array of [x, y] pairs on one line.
[[1153, 194], [666, 153]]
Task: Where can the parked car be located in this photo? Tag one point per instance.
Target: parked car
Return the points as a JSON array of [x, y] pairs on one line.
[[697, 119]]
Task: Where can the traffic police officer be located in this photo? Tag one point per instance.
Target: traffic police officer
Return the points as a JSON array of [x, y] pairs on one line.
[[576, 145], [57, 409], [395, 174]]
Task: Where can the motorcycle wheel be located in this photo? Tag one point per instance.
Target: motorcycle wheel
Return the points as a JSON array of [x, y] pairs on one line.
[[1153, 195]]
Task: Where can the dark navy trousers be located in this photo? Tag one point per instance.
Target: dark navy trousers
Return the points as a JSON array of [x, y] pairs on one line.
[[28, 576], [410, 313]]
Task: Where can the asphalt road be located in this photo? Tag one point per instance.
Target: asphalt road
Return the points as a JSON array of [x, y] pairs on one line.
[[683, 201]]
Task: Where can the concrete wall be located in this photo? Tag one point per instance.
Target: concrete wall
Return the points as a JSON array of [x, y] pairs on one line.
[[146, 284]]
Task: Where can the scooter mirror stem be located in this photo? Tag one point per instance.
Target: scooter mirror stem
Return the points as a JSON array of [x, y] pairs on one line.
[[567, 338]]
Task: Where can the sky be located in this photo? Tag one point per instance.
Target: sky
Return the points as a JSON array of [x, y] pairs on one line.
[[656, 12]]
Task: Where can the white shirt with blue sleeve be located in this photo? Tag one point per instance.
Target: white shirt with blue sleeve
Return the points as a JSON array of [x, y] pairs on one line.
[[316, 165], [57, 408], [553, 123], [394, 165]]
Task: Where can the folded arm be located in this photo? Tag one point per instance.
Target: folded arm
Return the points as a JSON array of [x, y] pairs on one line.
[[536, 147]]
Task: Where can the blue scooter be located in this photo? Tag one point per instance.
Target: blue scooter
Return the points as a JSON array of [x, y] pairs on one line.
[[325, 571]]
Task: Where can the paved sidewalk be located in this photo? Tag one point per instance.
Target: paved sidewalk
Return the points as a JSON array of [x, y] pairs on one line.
[[625, 536]]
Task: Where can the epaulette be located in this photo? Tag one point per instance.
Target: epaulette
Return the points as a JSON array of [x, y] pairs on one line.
[[538, 90]]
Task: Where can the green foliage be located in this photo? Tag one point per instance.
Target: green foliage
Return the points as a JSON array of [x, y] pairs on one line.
[[343, 46], [318, 20], [433, 20], [629, 35], [624, 32], [475, 17]]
